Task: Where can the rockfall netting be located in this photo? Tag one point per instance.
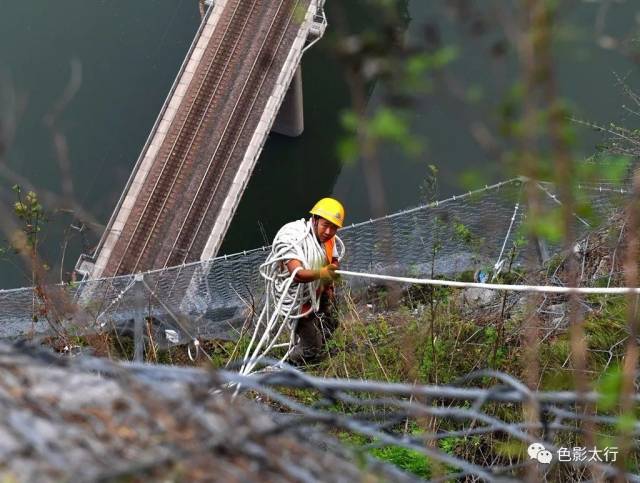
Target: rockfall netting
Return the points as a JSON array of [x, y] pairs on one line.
[[478, 230], [89, 419]]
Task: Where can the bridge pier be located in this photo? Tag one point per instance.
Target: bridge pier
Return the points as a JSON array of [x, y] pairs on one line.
[[290, 118]]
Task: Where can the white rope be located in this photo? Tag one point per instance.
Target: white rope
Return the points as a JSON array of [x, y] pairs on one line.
[[196, 349], [284, 298], [495, 286], [498, 266]]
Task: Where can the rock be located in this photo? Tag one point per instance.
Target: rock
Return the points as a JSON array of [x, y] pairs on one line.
[[558, 309], [479, 296], [558, 314]]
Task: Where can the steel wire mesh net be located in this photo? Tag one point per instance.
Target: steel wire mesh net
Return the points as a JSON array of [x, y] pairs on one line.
[[211, 299], [473, 429], [487, 425]]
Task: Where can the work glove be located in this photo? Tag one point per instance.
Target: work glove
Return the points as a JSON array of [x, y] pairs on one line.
[[328, 272]]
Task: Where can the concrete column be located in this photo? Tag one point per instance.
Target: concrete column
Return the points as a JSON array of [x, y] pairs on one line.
[[290, 118]]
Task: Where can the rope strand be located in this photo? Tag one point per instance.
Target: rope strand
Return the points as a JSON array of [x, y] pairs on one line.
[[496, 286]]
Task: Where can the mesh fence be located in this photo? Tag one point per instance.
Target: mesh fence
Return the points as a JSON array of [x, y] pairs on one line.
[[487, 426], [475, 420], [212, 299]]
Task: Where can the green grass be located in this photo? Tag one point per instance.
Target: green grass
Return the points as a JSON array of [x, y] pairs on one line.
[[406, 459], [406, 345]]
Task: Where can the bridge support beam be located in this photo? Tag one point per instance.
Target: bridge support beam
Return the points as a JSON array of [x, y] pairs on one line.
[[290, 119]]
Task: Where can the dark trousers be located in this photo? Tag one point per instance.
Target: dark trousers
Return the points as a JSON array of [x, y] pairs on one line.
[[313, 331]]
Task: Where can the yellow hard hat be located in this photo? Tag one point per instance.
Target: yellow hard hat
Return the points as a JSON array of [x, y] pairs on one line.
[[329, 209]]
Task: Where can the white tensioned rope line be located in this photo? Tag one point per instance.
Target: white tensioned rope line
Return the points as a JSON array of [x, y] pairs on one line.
[[496, 286], [605, 187], [284, 299], [500, 262]]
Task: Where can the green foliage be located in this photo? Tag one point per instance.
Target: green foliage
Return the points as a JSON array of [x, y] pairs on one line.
[[607, 327], [348, 150], [510, 448], [612, 168], [432, 353], [548, 226], [509, 110], [520, 237], [610, 387], [29, 210], [448, 445], [449, 342], [626, 422], [386, 125], [407, 459], [556, 351], [429, 186], [462, 233], [473, 179], [392, 125], [417, 67]]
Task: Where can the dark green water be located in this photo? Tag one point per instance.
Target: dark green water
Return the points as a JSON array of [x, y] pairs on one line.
[[129, 53]]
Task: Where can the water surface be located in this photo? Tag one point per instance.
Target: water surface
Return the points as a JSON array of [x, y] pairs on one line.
[[130, 52]]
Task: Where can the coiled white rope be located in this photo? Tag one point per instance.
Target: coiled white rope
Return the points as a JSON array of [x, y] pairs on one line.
[[285, 299]]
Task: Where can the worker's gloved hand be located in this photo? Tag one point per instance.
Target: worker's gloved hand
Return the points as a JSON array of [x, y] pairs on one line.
[[328, 272]]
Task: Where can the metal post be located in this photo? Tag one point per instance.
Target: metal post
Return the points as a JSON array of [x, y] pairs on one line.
[[139, 321]]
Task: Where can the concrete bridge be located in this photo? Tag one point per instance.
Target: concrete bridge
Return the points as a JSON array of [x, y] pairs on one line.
[[240, 80]]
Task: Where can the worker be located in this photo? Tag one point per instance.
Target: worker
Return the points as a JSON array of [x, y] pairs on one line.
[[311, 250]]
